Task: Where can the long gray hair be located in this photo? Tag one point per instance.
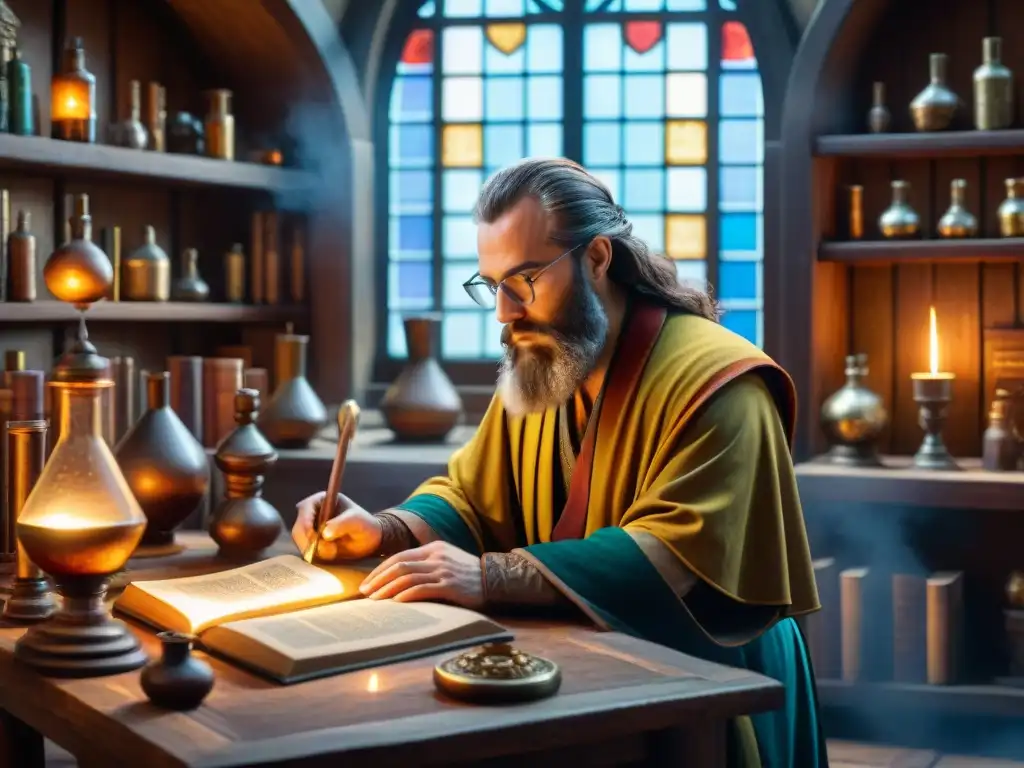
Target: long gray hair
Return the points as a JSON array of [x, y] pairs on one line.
[[582, 208]]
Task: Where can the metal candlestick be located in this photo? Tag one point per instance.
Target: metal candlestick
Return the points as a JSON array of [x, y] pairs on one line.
[[933, 392]]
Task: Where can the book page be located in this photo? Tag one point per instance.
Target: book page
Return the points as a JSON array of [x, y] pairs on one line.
[[352, 626], [279, 583]]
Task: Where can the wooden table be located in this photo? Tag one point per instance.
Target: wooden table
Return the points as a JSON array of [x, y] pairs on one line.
[[623, 701]]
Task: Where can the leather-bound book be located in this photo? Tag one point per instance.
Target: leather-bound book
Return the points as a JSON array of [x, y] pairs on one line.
[[945, 612], [909, 618]]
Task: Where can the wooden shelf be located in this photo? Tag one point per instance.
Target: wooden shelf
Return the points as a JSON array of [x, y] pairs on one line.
[[52, 156], [938, 144], [985, 700], [899, 483], [949, 251], [149, 312]]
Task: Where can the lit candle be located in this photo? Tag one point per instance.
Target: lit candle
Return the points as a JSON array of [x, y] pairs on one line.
[[933, 374], [933, 392]]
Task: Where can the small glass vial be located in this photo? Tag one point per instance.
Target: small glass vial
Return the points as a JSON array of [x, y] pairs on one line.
[[220, 126]]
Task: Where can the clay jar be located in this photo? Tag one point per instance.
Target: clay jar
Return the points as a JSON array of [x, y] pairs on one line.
[[165, 466], [295, 414], [177, 680], [422, 404]]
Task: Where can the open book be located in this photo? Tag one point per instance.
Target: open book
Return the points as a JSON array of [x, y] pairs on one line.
[[292, 621]]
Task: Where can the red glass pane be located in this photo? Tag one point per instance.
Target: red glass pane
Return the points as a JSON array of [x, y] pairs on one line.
[[419, 47], [641, 36], [736, 45]]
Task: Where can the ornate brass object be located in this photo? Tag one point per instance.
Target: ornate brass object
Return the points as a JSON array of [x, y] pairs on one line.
[[244, 523], [899, 220], [498, 673], [853, 418], [933, 393], [957, 221], [993, 88], [878, 116], [934, 107], [1011, 210]]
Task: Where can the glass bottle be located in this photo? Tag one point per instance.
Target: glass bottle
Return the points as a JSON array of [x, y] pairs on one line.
[[993, 88], [190, 286], [957, 221], [1011, 210], [899, 220], [147, 272], [73, 97], [933, 108], [19, 79], [220, 126], [853, 418], [878, 116]]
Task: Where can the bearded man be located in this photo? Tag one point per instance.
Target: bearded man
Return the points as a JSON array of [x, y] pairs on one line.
[[633, 465]]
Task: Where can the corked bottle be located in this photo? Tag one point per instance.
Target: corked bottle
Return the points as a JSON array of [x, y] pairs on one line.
[[21, 260]]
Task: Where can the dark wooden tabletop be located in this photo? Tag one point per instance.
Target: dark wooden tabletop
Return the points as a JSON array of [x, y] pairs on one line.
[[613, 686]]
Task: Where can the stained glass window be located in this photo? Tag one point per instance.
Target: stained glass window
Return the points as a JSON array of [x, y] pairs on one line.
[[671, 117]]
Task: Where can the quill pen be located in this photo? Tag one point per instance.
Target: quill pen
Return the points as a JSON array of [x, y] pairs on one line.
[[348, 422]]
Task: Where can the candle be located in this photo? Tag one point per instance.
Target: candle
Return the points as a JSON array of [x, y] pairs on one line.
[[933, 374]]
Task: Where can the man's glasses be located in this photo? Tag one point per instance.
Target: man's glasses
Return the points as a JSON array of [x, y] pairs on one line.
[[518, 286]]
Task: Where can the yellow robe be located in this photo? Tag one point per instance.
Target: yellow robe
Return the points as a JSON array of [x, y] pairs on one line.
[[699, 461]]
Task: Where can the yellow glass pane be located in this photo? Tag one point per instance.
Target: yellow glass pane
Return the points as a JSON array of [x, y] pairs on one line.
[[506, 37], [462, 145], [686, 142], [686, 236]]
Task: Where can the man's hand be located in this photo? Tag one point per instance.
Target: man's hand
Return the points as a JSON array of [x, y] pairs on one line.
[[352, 534], [435, 571]]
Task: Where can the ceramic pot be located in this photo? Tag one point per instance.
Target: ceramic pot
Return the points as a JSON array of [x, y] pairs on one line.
[[295, 414], [177, 680], [190, 286], [422, 404], [165, 466]]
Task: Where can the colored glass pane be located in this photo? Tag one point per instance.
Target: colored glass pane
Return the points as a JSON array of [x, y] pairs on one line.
[[411, 192], [462, 146], [463, 51], [462, 9], [503, 98], [412, 145], [603, 5], [642, 36], [644, 143], [544, 6], [741, 141], [456, 273], [686, 5], [686, 94], [644, 96], [460, 189], [602, 48], [495, 8], [412, 98], [544, 140], [459, 233], [545, 98], [650, 228], [544, 49], [688, 45], [419, 47], [503, 145], [462, 335], [602, 96], [737, 231], [739, 188], [738, 280], [507, 38], [643, 5], [686, 142], [427, 9], [692, 272], [740, 95], [644, 189], [745, 322], [410, 284], [415, 233], [736, 45], [687, 190], [396, 336], [727, 5], [462, 99], [602, 144], [686, 236]]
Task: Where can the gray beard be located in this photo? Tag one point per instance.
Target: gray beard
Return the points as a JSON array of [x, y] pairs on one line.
[[533, 378]]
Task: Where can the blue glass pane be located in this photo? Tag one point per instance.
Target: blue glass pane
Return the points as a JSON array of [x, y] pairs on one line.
[[415, 233], [692, 271], [410, 285], [727, 5], [544, 6], [427, 9], [744, 322], [461, 189], [644, 190], [737, 232], [741, 141], [602, 47], [462, 50], [544, 140], [602, 96], [645, 96], [612, 180], [687, 5], [645, 144], [545, 98], [649, 61], [602, 144], [503, 145], [740, 95], [544, 45], [411, 191], [738, 280], [494, 8], [456, 9], [503, 98], [687, 46], [462, 336], [687, 190], [739, 188], [650, 229], [412, 98], [411, 145], [459, 236], [453, 295], [396, 336], [644, 5], [498, 62], [603, 5], [462, 99]]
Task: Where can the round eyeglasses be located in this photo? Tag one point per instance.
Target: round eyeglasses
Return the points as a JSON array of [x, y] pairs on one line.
[[517, 286]]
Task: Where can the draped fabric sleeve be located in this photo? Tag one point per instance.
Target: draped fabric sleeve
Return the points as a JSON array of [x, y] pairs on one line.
[[471, 506], [723, 502]]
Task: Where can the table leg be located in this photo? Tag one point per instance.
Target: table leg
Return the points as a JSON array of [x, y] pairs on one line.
[[699, 745], [21, 746]]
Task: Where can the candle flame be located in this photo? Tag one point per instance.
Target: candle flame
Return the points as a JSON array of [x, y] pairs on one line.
[[933, 342]]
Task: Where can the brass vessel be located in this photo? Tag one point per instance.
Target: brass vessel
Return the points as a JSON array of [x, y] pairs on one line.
[[934, 107], [853, 417], [21, 260], [957, 221], [147, 272], [220, 125], [165, 466], [855, 214], [1000, 447], [879, 116], [244, 523], [993, 88], [899, 220], [1011, 210], [295, 414], [190, 286]]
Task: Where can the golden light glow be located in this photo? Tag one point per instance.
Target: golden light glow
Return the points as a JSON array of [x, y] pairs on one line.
[[933, 342], [67, 521], [373, 684], [70, 99]]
